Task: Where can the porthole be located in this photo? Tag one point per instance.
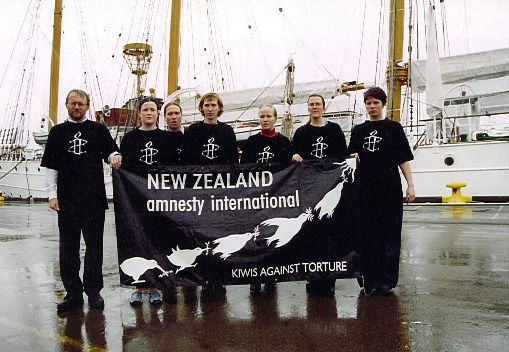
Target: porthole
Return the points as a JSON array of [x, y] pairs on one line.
[[449, 160]]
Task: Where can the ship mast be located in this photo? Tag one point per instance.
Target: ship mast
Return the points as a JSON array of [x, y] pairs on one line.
[[138, 57], [287, 121], [55, 65], [173, 62], [397, 74]]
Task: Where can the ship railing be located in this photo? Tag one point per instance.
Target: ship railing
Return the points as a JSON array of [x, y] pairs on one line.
[[11, 153]]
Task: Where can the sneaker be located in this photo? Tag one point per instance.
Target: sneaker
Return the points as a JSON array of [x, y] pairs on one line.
[[136, 299], [255, 289], [154, 297]]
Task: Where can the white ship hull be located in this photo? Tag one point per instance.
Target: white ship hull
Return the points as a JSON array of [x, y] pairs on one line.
[[27, 180], [483, 166], [22, 180]]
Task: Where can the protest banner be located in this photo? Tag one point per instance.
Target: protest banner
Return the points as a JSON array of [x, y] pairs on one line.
[[236, 224]]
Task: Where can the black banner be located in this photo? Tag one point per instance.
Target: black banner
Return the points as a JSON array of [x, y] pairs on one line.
[[189, 225]]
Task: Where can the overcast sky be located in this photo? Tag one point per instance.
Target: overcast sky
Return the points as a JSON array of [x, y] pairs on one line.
[[327, 39]]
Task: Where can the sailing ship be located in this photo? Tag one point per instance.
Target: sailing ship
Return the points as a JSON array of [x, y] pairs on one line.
[[449, 142]]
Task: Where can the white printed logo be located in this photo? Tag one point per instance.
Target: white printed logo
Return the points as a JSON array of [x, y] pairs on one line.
[[210, 148], [77, 143], [148, 154], [265, 156], [319, 148], [372, 142]]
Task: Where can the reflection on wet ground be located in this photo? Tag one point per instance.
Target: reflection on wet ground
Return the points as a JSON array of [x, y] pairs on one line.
[[452, 296]]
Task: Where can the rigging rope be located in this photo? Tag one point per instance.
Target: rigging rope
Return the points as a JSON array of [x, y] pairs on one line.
[[11, 130], [381, 47], [308, 49], [15, 43], [259, 95], [360, 51], [444, 29], [262, 47], [25, 82]]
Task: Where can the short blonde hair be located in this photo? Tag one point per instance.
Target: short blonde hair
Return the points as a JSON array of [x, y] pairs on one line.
[[274, 111]]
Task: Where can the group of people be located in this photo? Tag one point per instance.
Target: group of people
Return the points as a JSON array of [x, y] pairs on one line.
[[76, 148]]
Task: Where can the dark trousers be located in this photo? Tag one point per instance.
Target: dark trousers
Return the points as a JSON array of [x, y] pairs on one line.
[[71, 225], [382, 215], [380, 261]]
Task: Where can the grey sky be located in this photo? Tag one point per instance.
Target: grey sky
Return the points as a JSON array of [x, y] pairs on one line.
[[323, 36]]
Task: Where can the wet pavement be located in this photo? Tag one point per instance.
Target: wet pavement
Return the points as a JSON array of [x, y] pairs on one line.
[[452, 296]]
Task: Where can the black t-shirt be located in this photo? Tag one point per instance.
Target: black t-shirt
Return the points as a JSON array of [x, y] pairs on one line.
[[143, 150], [177, 142], [206, 144], [76, 151], [324, 142], [382, 146], [262, 149]]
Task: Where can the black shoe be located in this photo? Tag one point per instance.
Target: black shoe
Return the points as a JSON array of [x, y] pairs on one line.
[[367, 291], [327, 291], [311, 287], [170, 295], [69, 303], [255, 289], [385, 290], [207, 290], [321, 288], [95, 301], [219, 290], [211, 291], [270, 286], [190, 294]]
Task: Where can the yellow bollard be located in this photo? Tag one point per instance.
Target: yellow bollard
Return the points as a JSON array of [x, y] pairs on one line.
[[456, 196]]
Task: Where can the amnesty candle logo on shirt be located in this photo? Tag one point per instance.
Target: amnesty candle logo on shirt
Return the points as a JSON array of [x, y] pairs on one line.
[[188, 225]]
